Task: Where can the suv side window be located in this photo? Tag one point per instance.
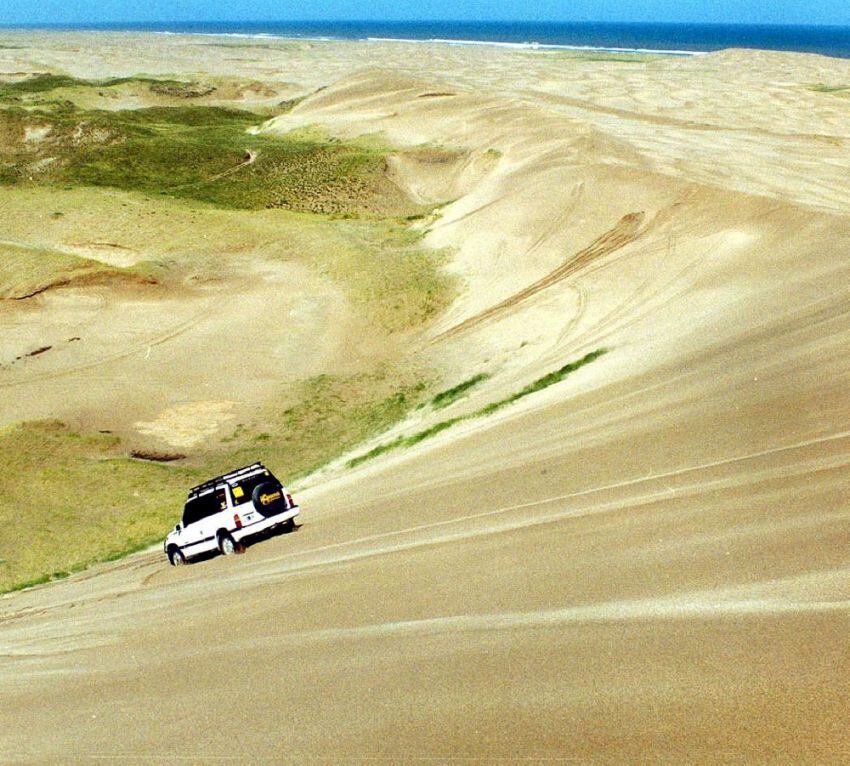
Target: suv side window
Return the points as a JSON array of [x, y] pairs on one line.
[[199, 508]]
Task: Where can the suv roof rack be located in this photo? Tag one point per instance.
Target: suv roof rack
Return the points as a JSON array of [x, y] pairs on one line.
[[224, 477]]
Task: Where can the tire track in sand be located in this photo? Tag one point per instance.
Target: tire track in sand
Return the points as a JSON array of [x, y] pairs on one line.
[[169, 334], [624, 233]]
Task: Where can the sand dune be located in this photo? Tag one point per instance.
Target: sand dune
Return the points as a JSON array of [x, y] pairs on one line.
[[646, 562]]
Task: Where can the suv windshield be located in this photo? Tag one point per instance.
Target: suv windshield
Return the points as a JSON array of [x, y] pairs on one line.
[[244, 488]]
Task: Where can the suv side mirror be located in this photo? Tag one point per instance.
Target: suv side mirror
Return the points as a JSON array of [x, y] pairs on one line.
[[178, 527]]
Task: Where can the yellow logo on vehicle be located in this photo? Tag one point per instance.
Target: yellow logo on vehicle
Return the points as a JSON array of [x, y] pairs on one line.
[[266, 499]]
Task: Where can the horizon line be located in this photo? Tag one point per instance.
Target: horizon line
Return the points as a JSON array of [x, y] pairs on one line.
[[92, 24]]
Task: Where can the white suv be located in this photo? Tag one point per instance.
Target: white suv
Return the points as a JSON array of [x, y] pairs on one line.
[[221, 513]]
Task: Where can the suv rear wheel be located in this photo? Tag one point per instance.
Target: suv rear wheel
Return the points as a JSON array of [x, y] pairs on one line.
[[227, 545]]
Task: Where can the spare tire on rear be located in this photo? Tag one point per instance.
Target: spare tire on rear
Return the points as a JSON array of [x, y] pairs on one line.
[[268, 498]]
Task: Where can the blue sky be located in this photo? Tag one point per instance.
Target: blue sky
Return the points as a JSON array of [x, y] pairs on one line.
[[731, 11]]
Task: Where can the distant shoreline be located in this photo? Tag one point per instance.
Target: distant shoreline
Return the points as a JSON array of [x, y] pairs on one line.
[[657, 39], [444, 41]]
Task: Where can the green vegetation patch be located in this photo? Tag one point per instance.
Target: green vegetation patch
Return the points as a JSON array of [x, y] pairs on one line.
[[547, 380], [538, 385], [40, 83], [405, 441], [201, 153], [43, 83], [328, 416], [823, 88], [79, 501], [451, 395]]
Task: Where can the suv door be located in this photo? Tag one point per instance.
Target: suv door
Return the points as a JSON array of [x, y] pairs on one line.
[[199, 527]]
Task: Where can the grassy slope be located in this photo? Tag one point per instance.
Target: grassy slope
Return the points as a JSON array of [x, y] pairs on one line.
[[71, 493], [27, 271], [84, 500], [198, 154], [331, 208], [322, 417], [378, 263], [191, 152]]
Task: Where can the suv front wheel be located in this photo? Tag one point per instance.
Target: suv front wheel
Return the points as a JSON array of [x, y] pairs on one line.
[[176, 557]]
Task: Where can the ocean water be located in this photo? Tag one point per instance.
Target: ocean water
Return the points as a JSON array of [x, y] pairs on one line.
[[684, 39]]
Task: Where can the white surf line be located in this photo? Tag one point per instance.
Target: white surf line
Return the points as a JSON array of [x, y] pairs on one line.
[[572, 495], [531, 45]]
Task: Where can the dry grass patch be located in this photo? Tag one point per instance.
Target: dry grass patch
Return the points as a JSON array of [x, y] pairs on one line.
[[384, 269], [380, 264]]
